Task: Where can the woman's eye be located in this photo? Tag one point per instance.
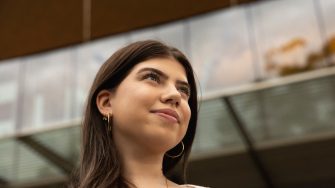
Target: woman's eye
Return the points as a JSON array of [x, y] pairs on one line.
[[153, 77], [185, 90]]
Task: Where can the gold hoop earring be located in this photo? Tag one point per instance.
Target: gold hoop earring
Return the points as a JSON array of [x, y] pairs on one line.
[[181, 153], [109, 127]]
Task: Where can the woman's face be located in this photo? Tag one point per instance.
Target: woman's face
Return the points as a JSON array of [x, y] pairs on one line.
[[150, 106]]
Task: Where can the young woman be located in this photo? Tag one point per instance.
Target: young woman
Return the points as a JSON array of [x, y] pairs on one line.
[[140, 119]]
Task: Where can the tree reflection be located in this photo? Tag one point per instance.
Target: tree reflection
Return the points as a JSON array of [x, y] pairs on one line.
[[293, 57]]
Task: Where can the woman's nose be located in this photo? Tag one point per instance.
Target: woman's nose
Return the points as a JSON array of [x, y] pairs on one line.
[[171, 95]]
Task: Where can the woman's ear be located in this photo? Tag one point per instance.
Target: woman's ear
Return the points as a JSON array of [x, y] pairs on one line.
[[104, 103]]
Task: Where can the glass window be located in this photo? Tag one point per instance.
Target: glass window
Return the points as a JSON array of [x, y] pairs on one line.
[[143, 34], [174, 34], [327, 8], [216, 131], [9, 91], [33, 166], [289, 111], [48, 89], [171, 34], [287, 36], [8, 160], [64, 142], [220, 49], [327, 15]]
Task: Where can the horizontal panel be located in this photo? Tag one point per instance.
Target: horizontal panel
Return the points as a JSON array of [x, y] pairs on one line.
[[33, 26]]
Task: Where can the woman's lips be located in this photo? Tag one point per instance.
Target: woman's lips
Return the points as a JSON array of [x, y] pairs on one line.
[[168, 114]]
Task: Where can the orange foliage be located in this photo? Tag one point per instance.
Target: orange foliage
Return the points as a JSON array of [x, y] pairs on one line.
[[297, 42]]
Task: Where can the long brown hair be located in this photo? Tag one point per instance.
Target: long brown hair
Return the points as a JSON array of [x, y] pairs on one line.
[[100, 164]]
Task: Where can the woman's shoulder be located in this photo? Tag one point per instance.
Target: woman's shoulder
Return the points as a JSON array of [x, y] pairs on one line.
[[192, 186]]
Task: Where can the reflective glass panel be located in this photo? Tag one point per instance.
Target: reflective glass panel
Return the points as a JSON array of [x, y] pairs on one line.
[[48, 94], [9, 94], [287, 37], [220, 49]]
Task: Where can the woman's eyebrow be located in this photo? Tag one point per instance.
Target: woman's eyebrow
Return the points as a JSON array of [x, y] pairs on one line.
[[162, 74]]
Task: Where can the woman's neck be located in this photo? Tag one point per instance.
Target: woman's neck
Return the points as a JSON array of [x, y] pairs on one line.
[[144, 171], [142, 167]]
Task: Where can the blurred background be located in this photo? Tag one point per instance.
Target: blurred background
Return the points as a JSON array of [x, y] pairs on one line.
[[265, 69]]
